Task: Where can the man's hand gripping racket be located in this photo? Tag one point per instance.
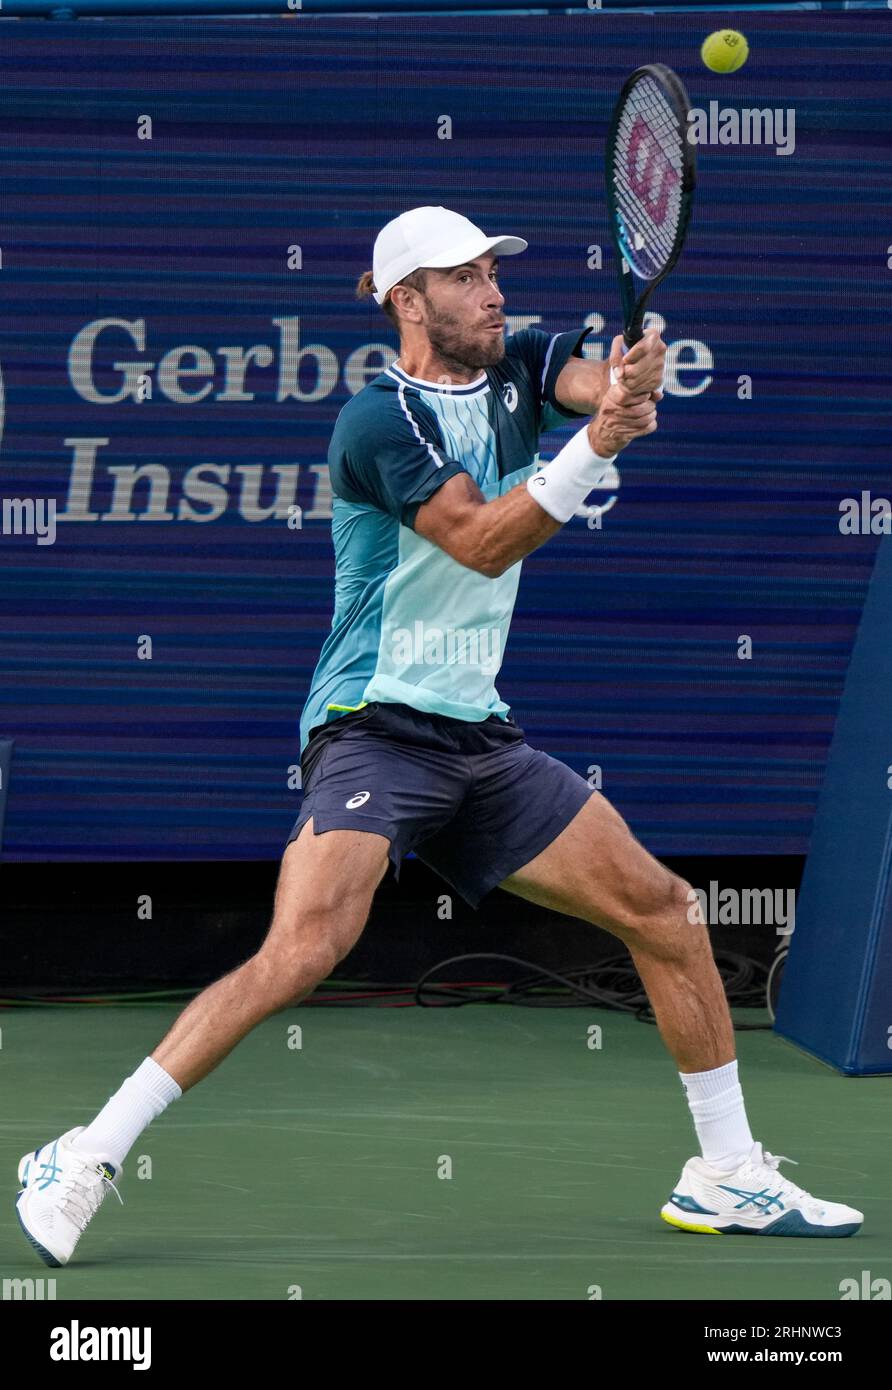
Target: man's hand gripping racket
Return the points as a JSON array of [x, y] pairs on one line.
[[628, 408]]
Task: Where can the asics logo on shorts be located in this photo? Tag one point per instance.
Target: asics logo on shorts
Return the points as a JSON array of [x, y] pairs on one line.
[[359, 799]]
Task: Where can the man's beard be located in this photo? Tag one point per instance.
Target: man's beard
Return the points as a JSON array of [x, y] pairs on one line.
[[459, 348]]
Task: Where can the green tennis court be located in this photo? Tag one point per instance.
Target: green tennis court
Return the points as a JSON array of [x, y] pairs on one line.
[[319, 1167]]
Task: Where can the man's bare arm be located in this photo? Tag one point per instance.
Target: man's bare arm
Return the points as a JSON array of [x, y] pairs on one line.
[[582, 385], [490, 537]]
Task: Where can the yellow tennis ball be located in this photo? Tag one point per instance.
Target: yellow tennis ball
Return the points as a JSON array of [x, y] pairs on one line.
[[725, 51]]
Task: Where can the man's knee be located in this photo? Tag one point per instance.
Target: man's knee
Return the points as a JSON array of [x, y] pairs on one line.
[[310, 935], [323, 898], [331, 916], [664, 911], [289, 970]]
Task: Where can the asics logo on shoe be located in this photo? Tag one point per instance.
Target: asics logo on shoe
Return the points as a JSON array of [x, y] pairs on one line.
[[358, 800], [763, 1200], [49, 1170]]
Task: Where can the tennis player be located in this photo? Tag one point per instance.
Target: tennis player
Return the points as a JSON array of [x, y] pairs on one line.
[[406, 744]]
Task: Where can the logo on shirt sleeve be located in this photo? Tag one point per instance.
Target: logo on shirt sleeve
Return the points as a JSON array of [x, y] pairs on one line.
[[509, 396]]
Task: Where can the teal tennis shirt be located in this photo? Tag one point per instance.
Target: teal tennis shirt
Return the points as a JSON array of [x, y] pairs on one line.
[[411, 625]]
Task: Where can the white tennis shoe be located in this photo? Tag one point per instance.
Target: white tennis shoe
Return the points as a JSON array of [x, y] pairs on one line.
[[61, 1191], [753, 1200]]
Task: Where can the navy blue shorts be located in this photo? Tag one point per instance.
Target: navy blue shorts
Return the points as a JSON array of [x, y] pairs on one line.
[[473, 801]]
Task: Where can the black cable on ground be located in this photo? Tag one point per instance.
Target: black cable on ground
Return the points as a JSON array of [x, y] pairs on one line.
[[611, 984]]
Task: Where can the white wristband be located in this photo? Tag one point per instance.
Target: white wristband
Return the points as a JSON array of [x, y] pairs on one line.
[[563, 484]]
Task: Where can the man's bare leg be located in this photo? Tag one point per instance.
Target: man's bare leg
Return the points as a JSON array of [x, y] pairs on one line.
[[598, 871], [323, 896], [325, 889]]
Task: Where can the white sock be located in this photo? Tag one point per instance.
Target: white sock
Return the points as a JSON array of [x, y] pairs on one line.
[[716, 1103], [120, 1122]]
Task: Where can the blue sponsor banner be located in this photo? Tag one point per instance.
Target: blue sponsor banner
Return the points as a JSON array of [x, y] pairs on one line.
[[187, 207]]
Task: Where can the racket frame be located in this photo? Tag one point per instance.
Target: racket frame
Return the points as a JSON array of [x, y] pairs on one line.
[[634, 305]]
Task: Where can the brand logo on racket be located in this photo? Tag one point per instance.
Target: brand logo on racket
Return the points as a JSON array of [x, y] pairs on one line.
[[359, 799], [651, 176]]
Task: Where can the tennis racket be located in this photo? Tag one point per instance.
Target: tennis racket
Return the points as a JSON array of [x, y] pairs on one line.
[[651, 173]]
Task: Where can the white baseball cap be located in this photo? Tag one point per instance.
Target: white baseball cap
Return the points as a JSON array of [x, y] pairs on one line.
[[433, 238]]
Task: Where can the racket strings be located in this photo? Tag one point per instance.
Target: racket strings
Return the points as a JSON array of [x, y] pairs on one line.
[[647, 178]]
